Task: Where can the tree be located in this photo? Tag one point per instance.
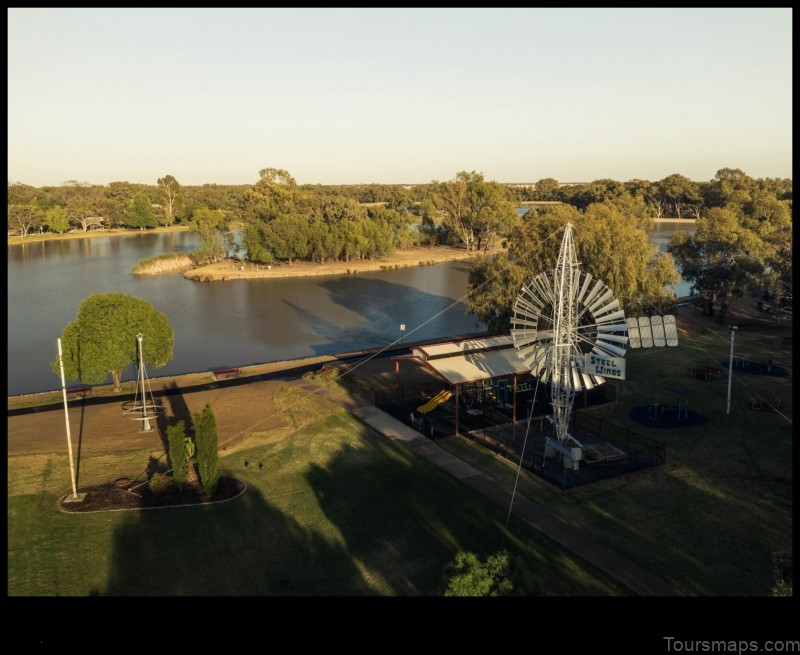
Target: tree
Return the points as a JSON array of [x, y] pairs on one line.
[[103, 338], [169, 195], [25, 217], [21, 194], [732, 187], [56, 219], [609, 244], [650, 193], [83, 202], [546, 189], [596, 191], [722, 260], [254, 244], [681, 191], [275, 194], [176, 439], [205, 436], [499, 575], [140, 213], [214, 232], [473, 209]]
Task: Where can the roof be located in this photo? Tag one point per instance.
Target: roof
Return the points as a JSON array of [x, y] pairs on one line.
[[450, 348], [471, 360]]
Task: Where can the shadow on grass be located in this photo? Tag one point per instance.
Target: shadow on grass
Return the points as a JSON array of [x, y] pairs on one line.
[[243, 547], [404, 519]]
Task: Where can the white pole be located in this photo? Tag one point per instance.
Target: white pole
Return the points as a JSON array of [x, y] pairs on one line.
[[145, 420], [730, 367], [66, 419]]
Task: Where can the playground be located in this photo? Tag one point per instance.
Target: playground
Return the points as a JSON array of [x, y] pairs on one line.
[[665, 415], [745, 364], [485, 417]]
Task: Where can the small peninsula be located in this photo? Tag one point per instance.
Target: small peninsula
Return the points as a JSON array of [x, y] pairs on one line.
[[420, 256]]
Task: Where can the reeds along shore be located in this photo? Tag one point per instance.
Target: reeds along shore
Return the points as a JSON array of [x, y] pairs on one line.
[[162, 264]]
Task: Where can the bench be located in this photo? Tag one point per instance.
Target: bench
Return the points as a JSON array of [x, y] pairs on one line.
[[705, 372], [763, 402], [82, 391], [227, 373]]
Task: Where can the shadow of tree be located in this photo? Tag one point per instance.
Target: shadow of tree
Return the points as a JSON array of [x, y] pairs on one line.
[[179, 411], [243, 547], [401, 525]]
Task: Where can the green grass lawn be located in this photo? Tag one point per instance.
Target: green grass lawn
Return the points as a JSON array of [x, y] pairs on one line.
[[339, 510], [336, 509], [712, 517]]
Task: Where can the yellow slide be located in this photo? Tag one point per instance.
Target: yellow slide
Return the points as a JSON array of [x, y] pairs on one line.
[[437, 400]]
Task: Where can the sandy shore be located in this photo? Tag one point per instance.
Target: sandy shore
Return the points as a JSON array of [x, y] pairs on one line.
[[422, 256]]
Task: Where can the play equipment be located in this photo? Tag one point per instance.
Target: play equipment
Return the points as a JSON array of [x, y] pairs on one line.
[[438, 399]]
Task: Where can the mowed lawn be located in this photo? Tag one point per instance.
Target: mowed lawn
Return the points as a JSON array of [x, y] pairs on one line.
[[335, 509], [712, 518]]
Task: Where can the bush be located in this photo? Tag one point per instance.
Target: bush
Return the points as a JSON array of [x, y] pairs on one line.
[[161, 484], [500, 575], [205, 434], [176, 435]]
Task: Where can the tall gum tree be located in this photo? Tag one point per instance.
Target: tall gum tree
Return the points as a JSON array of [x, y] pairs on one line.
[[103, 338], [722, 260], [611, 245], [169, 195], [474, 210]]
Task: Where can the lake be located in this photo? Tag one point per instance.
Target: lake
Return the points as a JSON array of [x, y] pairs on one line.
[[226, 324]]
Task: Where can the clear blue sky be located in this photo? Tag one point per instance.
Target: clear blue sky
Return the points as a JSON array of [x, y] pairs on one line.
[[404, 95]]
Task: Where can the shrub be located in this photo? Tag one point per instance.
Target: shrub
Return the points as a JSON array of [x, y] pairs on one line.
[[176, 435], [205, 434], [161, 484]]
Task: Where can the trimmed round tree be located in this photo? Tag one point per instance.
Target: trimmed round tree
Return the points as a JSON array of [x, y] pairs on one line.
[[102, 339]]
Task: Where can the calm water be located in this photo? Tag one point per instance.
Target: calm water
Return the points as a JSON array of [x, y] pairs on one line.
[[225, 324], [220, 324]]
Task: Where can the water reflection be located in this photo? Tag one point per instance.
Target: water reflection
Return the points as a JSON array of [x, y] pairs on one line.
[[224, 324], [220, 324]]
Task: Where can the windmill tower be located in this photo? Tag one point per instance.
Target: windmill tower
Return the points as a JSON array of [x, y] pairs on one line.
[[570, 331]]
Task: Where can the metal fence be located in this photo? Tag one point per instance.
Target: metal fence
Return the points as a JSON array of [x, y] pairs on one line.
[[516, 441], [520, 443]]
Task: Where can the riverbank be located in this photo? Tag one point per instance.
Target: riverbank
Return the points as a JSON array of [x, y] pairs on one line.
[[420, 256], [158, 385], [191, 382], [93, 234]]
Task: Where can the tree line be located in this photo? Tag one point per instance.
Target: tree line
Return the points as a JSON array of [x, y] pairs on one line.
[[743, 238]]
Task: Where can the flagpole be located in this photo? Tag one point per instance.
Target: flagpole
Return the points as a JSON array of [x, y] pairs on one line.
[[66, 420]]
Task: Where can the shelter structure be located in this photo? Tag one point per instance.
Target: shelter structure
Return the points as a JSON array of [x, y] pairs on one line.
[[471, 362]]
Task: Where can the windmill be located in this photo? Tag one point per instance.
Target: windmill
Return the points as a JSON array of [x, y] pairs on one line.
[[142, 408], [570, 331]]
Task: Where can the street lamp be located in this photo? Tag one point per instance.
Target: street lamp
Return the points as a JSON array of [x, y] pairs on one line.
[[402, 331], [730, 367]]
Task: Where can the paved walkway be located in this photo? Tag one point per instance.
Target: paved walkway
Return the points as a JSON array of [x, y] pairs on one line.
[[637, 579]]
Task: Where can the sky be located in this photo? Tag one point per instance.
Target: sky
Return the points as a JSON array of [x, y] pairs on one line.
[[398, 95]]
